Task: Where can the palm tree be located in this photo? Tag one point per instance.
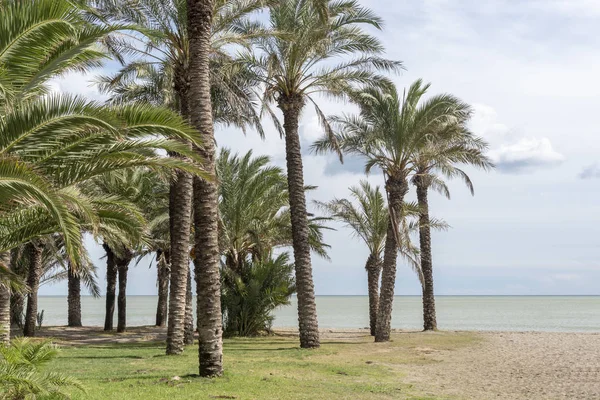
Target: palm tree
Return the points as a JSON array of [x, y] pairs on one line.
[[160, 74], [439, 159], [51, 143], [22, 371], [40, 262], [137, 192], [200, 15], [389, 132], [294, 63], [254, 211], [369, 222], [254, 222]]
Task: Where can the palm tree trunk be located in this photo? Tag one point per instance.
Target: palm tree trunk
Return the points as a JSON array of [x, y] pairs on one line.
[[206, 246], [163, 270], [429, 319], [17, 306], [307, 309], [180, 206], [396, 187], [189, 313], [4, 302], [122, 268], [180, 223], [33, 281], [74, 297], [373, 268], [111, 285]]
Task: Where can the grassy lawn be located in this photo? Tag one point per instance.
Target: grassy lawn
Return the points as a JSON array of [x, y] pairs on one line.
[[257, 368]]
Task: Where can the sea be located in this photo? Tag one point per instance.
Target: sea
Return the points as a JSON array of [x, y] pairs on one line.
[[465, 313]]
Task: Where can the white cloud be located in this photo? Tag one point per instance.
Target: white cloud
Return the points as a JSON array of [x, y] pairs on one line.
[[510, 150], [526, 154], [485, 123], [79, 84]]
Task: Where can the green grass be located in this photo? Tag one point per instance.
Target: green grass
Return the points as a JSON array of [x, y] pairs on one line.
[[257, 368]]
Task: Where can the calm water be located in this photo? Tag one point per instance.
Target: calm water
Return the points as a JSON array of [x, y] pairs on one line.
[[491, 313]]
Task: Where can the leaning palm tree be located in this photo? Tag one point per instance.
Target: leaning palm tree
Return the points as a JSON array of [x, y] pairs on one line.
[[389, 132], [294, 63], [369, 222], [160, 74], [440, 159]]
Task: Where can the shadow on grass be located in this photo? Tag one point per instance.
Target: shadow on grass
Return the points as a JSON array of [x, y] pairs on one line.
[[102, 357]]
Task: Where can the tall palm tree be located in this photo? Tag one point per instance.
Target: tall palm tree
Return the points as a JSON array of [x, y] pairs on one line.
[[200, 15], [389, 132], [303, 57], [440, 159], [160, 74], [369, 222]]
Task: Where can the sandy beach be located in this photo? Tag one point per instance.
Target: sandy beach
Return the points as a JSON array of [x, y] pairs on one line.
[[492, 365]]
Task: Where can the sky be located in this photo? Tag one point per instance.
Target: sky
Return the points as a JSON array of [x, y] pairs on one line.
[[529, 69]]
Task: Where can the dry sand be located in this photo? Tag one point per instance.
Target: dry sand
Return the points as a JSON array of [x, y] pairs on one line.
[[515, 366], [498, 365]]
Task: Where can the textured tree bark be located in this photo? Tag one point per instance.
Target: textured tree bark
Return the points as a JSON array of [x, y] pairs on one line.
[[396, 187], [429, 318], [180, 223], [111, 285], [163, 271], [188, 337], [373, 268], [122, 268], [17, 308], [180, 219], [4, 302], [307, 309], [74, 298], [206, 246], [33, 282]]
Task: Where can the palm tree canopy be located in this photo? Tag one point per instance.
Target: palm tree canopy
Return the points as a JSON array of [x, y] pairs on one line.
[[440, 159], [156, 56], [49, 143], [368, 219], [391, 131], [306, 54], [254, 208]]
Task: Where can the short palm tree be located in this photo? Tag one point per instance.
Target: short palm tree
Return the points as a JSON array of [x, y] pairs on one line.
[[254, 222], [254, 211], [389, 132], [368, 220], [135, 191], [440, 159], [303, 57], [22, 372]]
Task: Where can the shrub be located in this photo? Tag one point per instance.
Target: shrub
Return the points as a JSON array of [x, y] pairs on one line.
[[250, 295], [21, 373]]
